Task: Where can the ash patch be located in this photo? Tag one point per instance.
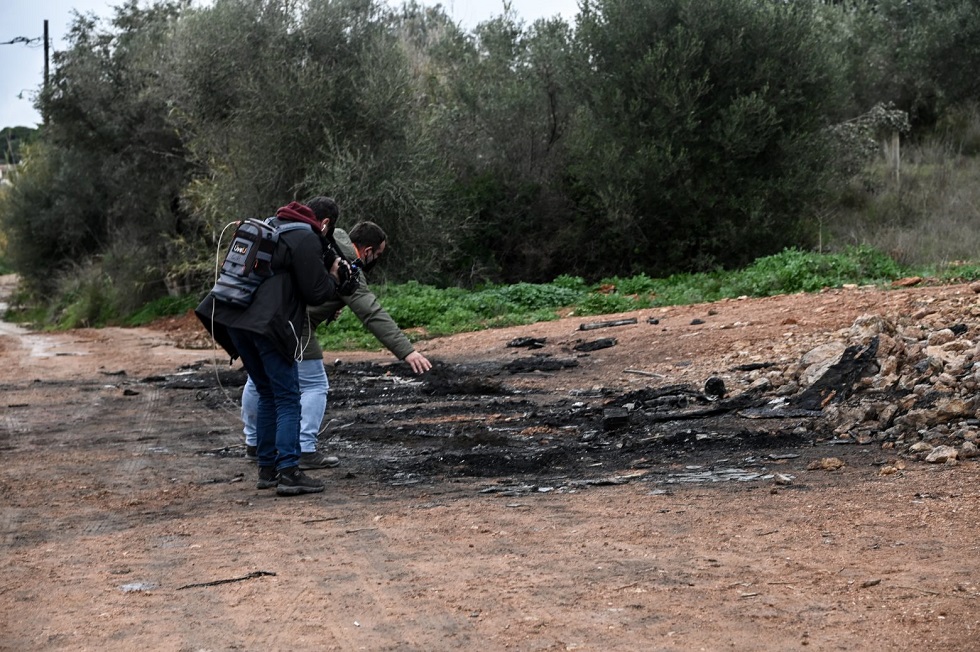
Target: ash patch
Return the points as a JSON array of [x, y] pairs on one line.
[[882, 389], [464, 421], [447, 380]]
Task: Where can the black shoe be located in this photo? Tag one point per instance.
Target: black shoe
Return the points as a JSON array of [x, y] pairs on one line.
[[268, 478], [317, 460], [293, 482], [251, 453]]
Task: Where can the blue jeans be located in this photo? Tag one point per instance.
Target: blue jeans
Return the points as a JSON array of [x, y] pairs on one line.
[[278, 412], [313, 388]]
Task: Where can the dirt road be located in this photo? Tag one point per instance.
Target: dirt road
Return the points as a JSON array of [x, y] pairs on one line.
[[477, 508]]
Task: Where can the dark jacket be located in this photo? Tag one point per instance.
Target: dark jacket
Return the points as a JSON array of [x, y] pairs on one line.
[[278, 309]]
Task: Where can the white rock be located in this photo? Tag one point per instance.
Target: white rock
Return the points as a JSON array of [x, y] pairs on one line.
[[941, 455], [818, 360]]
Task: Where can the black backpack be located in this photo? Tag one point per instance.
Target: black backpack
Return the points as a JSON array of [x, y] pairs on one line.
[[249, 260]]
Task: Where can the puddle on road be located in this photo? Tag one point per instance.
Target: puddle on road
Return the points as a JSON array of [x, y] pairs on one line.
[[6, 328], [45, 347]]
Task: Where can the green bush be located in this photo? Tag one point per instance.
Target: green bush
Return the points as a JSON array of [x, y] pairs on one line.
[[598, 303], [431, 312], [959, 272], [163, 307], [84, 299], [796, 271], [529, 296]]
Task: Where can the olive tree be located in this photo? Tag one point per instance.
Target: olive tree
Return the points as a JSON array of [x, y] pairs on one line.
[[103, 186], [702, 145]]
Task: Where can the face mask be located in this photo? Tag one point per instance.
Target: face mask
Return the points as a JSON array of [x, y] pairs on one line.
[[367, 267]]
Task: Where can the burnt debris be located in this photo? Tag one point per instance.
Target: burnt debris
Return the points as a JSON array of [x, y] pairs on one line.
[[905, 390]]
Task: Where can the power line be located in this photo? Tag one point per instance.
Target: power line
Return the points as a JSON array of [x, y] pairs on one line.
[[33, 42], [24, 40]]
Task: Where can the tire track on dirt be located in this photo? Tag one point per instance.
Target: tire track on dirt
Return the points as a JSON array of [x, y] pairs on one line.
[[146, 430], [382, 600], [35, 427]]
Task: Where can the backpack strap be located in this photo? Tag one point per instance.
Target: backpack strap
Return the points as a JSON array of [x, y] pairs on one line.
[[282, 227]]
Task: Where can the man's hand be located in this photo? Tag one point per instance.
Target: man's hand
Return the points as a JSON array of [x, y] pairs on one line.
[[334, 269], [418, 362]]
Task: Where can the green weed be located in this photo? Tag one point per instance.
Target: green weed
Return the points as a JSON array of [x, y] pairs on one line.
[[164, 307], [426, 311]]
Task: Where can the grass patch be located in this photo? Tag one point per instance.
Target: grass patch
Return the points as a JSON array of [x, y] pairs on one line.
[[164, 307], [425, 311]]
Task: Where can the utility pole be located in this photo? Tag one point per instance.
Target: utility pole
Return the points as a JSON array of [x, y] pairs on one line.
[[46, 57], [44, 96]]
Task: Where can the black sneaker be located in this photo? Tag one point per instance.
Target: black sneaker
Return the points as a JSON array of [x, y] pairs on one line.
[[317, 460], [251, 453], [293, 482], [268, 478]]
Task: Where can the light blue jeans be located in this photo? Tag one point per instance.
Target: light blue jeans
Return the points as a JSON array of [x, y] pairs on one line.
[[313, 387]]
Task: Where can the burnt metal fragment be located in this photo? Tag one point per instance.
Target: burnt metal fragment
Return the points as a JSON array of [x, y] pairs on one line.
[[754, 366], [596, 345], [837, 383], [714, 387], [250, 576], [527, 342], [613, 418]]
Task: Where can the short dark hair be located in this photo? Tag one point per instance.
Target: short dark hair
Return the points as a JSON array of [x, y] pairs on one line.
[[324, 208], [367, 234]]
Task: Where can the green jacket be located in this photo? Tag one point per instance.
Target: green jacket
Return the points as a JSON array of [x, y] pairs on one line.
[[364, 304]]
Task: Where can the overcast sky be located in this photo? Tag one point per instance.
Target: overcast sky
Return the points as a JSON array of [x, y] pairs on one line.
[[22, 65]]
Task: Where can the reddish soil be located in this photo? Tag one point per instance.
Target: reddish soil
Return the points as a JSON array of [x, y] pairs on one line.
[[126, 503]]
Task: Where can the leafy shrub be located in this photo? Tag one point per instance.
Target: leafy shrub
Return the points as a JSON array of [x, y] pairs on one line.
[[531, 296], [639, 284], [163, 307], [796, 271], [574, 283], [597, 303], [430, 312], [84, 299], [413, 304], [959, 272]]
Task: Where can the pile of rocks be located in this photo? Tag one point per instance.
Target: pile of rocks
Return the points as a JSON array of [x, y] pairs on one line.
[[918, 396]]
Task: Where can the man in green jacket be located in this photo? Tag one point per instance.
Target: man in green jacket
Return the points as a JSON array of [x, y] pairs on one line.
[[367, 243]]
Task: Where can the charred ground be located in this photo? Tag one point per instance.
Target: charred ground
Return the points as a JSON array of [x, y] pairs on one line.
[[468, 421]]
